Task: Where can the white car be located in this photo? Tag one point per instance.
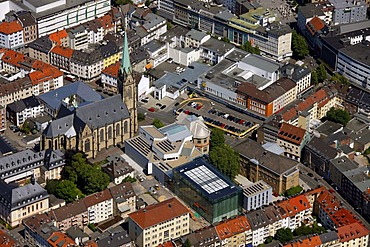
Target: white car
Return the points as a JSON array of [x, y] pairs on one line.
[[212, 103]]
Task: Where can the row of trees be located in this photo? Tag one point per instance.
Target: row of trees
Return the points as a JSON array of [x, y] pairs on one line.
[[222, 155], [319, 74], [299, 46], [249, 48], [79, 177], [285, 234], [338, 115]]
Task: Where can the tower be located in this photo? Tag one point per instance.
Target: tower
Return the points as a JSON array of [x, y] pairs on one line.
[[127, 87]]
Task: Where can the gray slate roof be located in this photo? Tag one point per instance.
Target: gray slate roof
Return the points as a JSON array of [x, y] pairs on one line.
[[42, 44], [53, 99], [95, 114], [20, 105], [14, 197]]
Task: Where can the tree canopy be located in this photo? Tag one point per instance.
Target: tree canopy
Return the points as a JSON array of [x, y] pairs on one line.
[[89, 178], [217, 137], [249, 48], [187, 243], [225, 159], [339, 78], [157, 123], [306, 230], [299, 45], [123, 2], [314, 78], [338, 116], [67, 191], [222, 156], [284, 235], [293, 191], [321, 73]]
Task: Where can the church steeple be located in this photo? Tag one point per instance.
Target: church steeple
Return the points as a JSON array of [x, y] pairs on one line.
[[127, 87], [125, 61]]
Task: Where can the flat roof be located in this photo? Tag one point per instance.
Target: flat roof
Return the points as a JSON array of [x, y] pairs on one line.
[[256, 188], [207, 179]]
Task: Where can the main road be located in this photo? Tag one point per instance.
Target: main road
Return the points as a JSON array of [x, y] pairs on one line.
[[316, 180]]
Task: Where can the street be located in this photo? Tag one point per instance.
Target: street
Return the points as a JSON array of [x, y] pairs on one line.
[[316, 180]]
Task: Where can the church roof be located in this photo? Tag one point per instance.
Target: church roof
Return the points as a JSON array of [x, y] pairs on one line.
[[125, 62]]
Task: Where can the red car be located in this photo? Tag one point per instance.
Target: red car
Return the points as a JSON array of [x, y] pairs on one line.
[[187, 112], [151, 109], [199, 107], [223, 125], [241, 121]]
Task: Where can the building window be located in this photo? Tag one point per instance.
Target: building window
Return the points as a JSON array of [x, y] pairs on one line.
[[87, 145], [101, 135], [110, 132], [125, 127], [118, 130]]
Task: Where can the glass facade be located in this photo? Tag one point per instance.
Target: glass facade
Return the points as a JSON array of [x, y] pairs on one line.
[[213, 207]]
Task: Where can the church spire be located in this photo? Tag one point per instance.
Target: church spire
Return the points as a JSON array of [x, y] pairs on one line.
[[125, 62]]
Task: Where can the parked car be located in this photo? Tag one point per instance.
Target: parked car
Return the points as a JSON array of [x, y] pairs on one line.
[[212, 104], [162, 107], [151, 109]]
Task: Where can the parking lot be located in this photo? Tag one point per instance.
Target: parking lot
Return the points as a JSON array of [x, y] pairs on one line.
[[217, 115]]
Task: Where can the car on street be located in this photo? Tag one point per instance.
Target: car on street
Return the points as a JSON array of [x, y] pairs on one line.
[[177, 103], [162, 107], [158, 104], [151, 109], [310, 174]]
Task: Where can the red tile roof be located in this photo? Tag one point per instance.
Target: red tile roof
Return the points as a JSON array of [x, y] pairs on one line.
[[315, 24], [57, 36], [59, 239], [307, 242], [157, 213], [314, 98], [96, 198], [10, 27], [6, 240], [90, 243], [106, 21], [12, 57], [291, 133], [290, 114], [112, 70], [63, 51], [232, 227], [352, 231], [294, 205], [167, 244], [45, 74]]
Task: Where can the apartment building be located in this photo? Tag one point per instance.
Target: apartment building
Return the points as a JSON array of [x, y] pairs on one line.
[[61, 56], [277, 171], [11, 35], [353, 235], [72, 214], [195, 38], [110, 53], [214, 50], [317, 155], [86, 65], [58, 239], [33, 226], [292, 139], [124, 199], [159, 223], [234, 232], [204, 237], [300, 75], [60, 38], [99, 206], [19, 111], [256, 195], [27, 21], [118, 169], [109, 77], [297, 211], [40, 49], [260, 225], [21, 202]]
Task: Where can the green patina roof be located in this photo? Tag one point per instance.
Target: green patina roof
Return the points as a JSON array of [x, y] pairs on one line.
[[125, 62]]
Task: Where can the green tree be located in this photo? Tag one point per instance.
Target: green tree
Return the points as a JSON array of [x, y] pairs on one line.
[[225, 159], [225, 39], [187, 243], [339, 78], [140, 116], [129, 179], [299, 45], [284, 235], [157, 123], [67, 191], [51, 185], [93, 180], [338, 116], [314, 78], [321, 73], [293, 191], [147, 3], [268, 240], [26, 128], [217, 137], [249, 48], [169, 25], [123, 2]]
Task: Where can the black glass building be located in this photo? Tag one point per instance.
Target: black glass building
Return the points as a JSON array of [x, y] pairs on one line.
[[207, 190]]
